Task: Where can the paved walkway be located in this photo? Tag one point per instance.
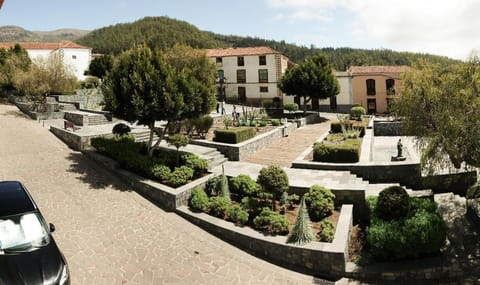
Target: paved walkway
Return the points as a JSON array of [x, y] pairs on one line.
[[108, 233], [285, 150]]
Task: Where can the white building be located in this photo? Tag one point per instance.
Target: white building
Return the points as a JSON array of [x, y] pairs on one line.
[[250, 75], [342, 103], [75, 57]]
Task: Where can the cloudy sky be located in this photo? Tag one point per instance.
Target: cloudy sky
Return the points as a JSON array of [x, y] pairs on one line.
[[440, 27]]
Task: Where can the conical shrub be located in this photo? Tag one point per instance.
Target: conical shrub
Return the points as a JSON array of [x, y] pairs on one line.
[[302, 231], [224, 190]]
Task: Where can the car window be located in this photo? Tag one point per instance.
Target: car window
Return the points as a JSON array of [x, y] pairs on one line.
[[21, 232]]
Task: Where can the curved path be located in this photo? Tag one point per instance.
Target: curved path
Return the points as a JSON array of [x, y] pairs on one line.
[[108, 233]]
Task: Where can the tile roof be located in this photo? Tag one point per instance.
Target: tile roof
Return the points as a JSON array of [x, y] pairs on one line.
[[241, 51], [47, 46], [377, 69]]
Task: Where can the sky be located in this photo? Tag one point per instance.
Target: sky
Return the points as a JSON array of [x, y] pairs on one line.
[[442, 27]]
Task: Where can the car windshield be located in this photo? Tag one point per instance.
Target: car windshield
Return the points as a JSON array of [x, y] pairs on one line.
[[22, 232]]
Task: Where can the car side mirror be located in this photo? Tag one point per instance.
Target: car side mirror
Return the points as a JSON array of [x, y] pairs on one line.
[[52, 227]]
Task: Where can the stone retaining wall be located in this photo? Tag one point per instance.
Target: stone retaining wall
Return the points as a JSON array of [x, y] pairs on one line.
[[387, 128], [317, 258], [72, 139], [237, 152], [162, 195]]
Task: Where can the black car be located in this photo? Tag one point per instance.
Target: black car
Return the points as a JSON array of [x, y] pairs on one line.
[[28, 252]]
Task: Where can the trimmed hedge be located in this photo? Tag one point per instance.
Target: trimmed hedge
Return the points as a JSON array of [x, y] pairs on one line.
[[234, 135], [336, 127], [348, 152]]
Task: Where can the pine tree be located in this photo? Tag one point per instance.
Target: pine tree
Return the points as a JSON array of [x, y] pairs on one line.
[[301, 232]]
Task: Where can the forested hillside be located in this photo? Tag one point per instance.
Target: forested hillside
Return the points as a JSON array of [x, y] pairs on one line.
[[18, 34], [162, 32]]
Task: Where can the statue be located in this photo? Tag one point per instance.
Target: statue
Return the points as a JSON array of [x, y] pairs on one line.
[[399, 148], [399, 156]]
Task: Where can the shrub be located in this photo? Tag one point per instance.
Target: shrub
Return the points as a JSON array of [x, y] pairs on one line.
[[393, 203], [161, 172], [291, 107], [213, 185], [271, 221], [357, 112], [348, 152], [189, 126], [180, 176], [253, 205], [202, 125], [320, 202], [328, 231], [224, 189], [121, 129], [199, 200], [276, 122], [421, 233], [474, 192], [234, 135], [244, 185], [236, 214], [336, 127], [274, 181], [199, 165], [218, 205]]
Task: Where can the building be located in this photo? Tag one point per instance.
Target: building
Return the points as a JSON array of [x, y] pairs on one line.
[[249, 75], [343, 102], [74, 56], [374, 87]]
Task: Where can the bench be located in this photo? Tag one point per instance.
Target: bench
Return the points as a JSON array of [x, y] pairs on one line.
[[68, 124]]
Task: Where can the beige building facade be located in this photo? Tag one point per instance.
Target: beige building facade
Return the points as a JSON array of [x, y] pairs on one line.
[[250, 75], [375, 87]]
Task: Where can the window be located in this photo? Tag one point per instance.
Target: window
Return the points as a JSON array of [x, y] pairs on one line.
[[263, 75], [371, 106], [74, 57], [390, 86], [219, 61], [220, 74], [240, 61], [263, 89], [241, 76], [262, 60], [371, 87]]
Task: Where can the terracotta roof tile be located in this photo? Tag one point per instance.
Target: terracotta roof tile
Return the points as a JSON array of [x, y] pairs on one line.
[[241, 51], [377, 69], [47, 46]]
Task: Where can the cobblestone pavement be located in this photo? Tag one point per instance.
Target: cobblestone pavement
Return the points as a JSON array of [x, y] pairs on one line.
[[108, 233], [284, 151]]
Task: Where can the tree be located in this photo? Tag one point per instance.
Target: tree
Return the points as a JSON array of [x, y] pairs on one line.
[[12, 61], [274, 181], [148, 86], [312, 79], [302, 231], [178, 140], [100, 66], [439, 105]]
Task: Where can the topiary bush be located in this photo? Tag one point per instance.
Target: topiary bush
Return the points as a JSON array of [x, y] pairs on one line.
[[218, 205], [276, 122], [244, 185], [291, 107], [357, 112], [348, 152], [202, 125], [234, 135], [161, 172], [121, 129], [236, 214], [199, 165], [302, 231], [272, 222], [393, 203], [320, 202], [213, 185], [328, 231], [419, 234], [180, 176], [273, 181], [199, 200]]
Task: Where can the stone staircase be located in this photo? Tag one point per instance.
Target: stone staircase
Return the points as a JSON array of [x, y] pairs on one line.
[[97, 119], [66, 107]]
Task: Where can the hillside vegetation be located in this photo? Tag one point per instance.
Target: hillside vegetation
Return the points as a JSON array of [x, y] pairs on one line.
[[164, 32]]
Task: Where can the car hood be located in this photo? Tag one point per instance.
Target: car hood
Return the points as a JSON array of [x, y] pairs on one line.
[[40, 266]]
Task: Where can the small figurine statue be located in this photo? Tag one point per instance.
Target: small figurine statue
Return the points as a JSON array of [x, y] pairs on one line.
[[399, 148]]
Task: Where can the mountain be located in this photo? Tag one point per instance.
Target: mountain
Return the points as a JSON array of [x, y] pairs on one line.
[[18, 34]]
